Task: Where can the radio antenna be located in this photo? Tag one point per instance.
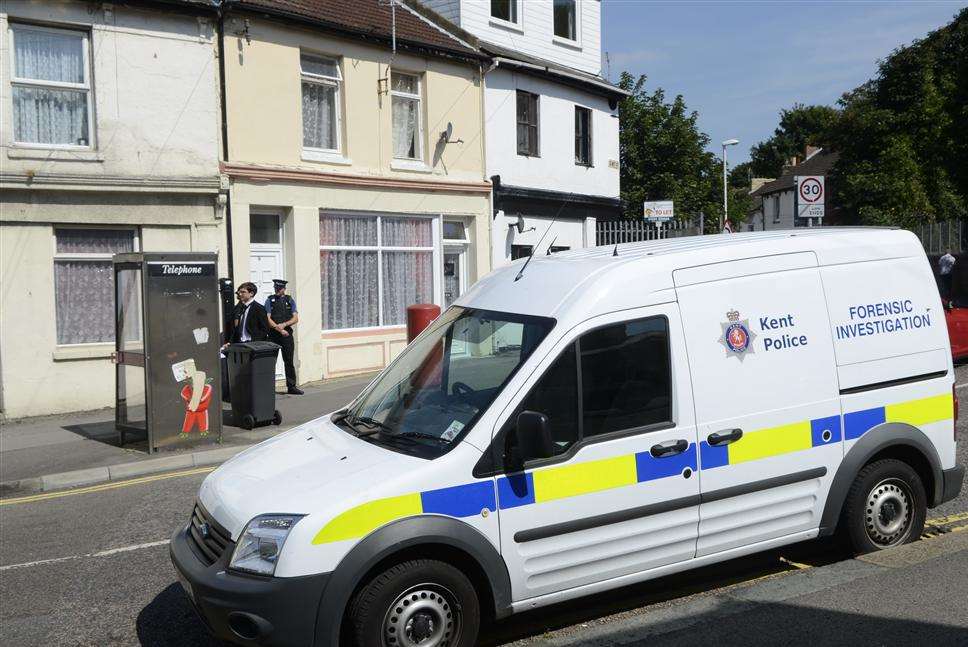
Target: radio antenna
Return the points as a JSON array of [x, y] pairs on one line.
[[553, 241], [538, 244]]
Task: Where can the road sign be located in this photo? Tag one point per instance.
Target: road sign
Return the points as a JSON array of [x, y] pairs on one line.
[[810, 196], [661, 211]]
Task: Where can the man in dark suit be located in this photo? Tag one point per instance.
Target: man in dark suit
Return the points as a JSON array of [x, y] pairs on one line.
[[253, 324]]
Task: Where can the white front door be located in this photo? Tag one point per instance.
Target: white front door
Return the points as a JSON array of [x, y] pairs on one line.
[[455, 273], [266, 261]]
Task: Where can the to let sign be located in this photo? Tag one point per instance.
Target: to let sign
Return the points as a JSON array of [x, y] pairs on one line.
[[661, 211], [810, 196]]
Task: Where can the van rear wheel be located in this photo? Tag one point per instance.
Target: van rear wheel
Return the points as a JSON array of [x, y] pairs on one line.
[[420, 602], [886, 506]]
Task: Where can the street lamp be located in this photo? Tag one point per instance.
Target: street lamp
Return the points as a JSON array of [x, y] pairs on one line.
[[728, 142]]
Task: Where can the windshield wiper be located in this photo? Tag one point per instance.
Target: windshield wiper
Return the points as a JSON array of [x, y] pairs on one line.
[[421, 435]]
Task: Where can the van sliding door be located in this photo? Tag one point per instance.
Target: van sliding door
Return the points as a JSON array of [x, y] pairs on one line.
[[767, 402]]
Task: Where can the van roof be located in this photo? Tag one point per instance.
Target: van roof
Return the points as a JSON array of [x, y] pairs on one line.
[[602, 279]]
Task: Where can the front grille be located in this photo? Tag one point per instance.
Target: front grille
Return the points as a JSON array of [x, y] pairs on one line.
[[210, 542]]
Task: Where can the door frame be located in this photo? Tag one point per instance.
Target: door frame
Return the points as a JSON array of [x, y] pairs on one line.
[[279, 247]]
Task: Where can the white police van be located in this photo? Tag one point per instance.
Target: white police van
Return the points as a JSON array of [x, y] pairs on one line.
[[593, 419]]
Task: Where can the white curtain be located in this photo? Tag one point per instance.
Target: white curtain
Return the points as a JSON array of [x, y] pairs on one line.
[[319, 115], [84, 289], [44, 115], [408, 278], [407, 232], [405, 127], [49, 56], [349, 289], [347, 230]]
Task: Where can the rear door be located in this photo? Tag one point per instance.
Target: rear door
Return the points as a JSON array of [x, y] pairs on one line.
[[621, 494], [766, 395]]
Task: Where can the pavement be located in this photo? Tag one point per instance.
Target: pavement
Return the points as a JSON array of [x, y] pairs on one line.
[[53, 452]]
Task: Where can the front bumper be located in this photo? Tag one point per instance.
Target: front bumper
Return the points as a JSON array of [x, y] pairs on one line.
[[951, 481], [249, 610]]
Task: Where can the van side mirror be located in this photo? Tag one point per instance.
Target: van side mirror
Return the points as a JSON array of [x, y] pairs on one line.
[[530, 438]]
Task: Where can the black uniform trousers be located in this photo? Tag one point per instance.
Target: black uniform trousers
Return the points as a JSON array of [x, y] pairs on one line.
[[288, 349]]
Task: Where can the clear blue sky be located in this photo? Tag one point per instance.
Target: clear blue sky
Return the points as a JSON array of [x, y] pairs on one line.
[[739, 63]]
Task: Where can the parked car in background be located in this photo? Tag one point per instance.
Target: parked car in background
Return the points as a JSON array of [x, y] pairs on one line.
[[957, 318]]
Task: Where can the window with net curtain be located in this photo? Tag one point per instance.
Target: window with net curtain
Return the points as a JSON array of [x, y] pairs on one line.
[[360, 253], [321, 82], [405, 99], [50, 87], [84, 282]]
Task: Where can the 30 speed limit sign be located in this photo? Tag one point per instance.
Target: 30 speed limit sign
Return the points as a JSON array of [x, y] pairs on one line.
[[810, 196]]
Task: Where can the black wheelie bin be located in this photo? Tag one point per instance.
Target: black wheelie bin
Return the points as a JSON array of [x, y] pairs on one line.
[[252, 379]]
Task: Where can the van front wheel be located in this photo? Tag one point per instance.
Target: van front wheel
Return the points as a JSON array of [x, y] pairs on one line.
[[420, 602], [886, 506]]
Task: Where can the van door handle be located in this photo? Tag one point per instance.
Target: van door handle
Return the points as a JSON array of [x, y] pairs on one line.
[[670, 448], [724, 437]]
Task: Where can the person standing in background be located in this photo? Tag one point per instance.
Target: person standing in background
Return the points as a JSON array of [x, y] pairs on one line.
[[282, 317], [253, 324], [946, 266]]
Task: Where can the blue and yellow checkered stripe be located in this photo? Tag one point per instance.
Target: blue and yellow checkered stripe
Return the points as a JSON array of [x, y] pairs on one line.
[[571, 480]]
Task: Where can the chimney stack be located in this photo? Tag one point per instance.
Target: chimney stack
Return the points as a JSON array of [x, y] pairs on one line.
[[811, 151]]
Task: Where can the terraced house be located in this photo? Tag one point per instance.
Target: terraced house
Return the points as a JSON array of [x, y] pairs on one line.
[[109, 142], [356, 168]]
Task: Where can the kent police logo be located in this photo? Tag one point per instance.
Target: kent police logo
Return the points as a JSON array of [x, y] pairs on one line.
[[737, 337]]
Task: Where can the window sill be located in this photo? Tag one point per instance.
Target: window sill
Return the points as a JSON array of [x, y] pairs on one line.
[[326, 156], [587, 165], [54, 154], [506, 25], [566, 42], [529, 155], [417, 166], [82, 351]]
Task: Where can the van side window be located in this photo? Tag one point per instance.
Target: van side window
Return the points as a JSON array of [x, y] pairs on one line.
[[625, 376], [556, 396], [626, 383]]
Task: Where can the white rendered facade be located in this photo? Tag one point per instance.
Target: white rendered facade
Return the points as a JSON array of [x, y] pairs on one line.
[[554, 180]]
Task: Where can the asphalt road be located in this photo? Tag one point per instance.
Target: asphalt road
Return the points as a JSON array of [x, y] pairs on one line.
[[93, 569]]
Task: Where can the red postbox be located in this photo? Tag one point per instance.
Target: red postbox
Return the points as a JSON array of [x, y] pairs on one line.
[[419, 316]]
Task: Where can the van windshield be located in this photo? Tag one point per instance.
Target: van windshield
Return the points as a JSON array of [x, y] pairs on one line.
[[425, 401]]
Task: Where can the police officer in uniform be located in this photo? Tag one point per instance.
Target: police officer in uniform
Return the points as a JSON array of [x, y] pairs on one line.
[[282, 316]]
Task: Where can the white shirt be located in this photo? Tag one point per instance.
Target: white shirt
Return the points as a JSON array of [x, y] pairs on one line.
[[946, 263], [244, 335]]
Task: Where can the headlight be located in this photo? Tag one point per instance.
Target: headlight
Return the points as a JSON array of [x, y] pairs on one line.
[[261, 542]]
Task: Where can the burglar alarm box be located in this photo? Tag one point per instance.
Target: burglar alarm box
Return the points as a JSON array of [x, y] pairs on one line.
[[167, 346]]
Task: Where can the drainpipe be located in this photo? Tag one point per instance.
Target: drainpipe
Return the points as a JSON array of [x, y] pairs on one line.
[[223, 106]]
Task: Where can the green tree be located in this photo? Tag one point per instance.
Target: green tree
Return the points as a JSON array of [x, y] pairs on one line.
[[799, 126], [903, 136], [663, 155]]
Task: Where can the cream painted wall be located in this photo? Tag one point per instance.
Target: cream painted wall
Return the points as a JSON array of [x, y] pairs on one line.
[[265, 105], [38, 376], [322, 355], [155, 90]]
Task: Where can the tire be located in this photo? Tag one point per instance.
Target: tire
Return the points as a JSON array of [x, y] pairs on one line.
[[276, 418], [414, 601], [248, 421], [885, 507]]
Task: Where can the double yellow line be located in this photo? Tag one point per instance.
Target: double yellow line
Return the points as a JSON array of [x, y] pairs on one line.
[[105, 486]]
